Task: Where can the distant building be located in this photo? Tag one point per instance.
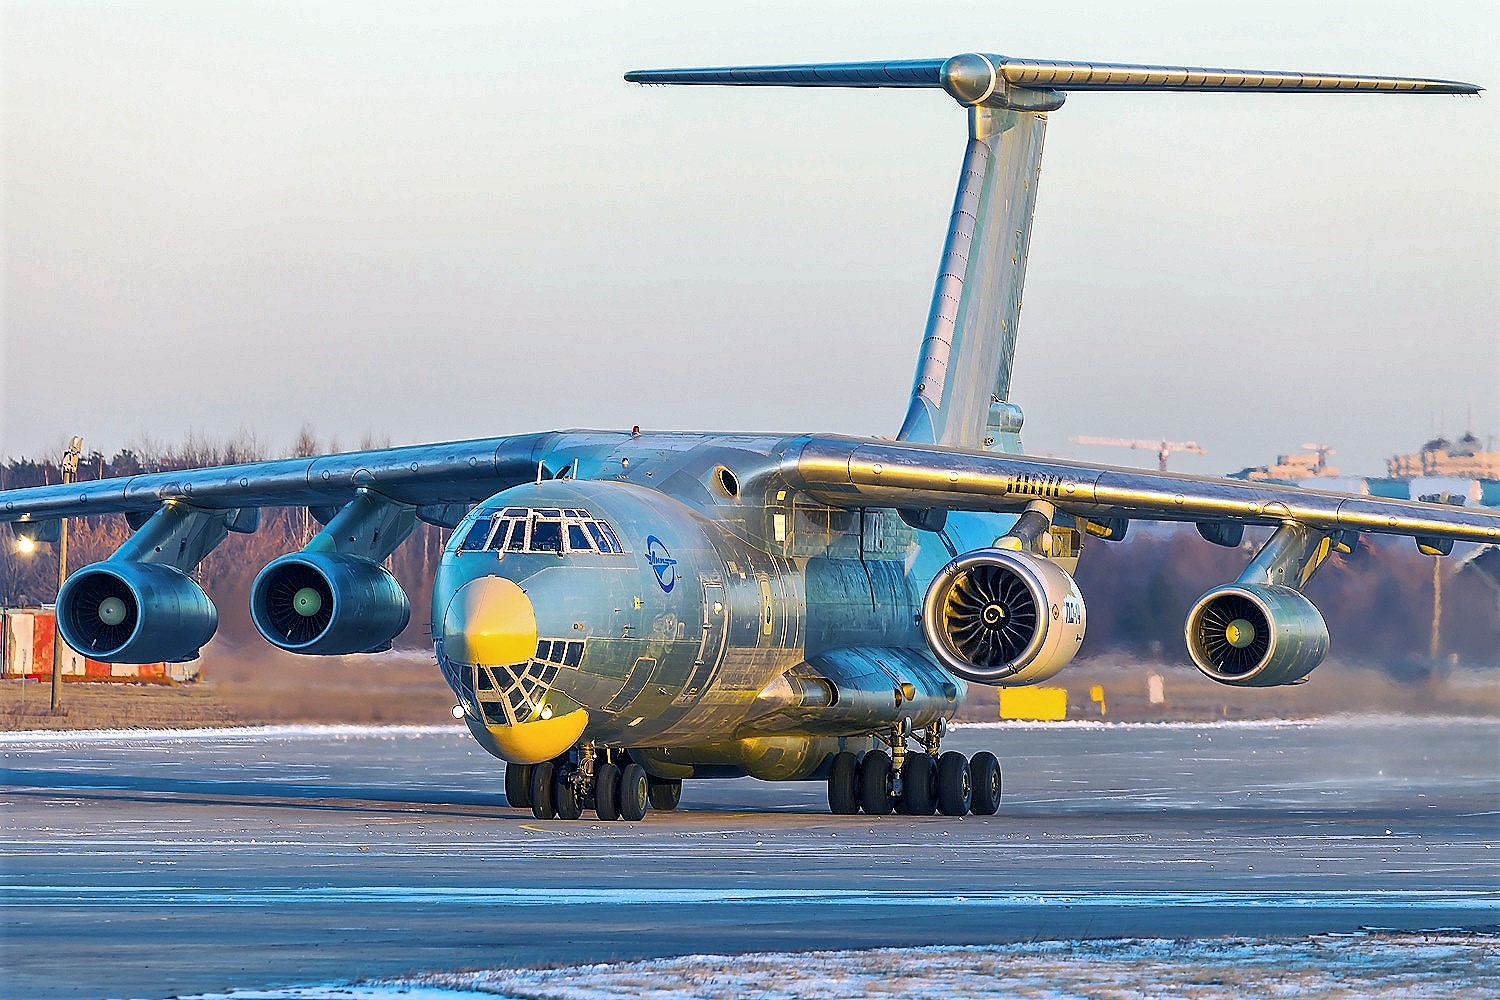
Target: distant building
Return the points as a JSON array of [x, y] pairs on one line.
[[26, 639], [1463, 459], [1291, 468], [1465, 471]]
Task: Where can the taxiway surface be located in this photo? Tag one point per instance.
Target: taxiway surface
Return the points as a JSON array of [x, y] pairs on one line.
[[144, 866]]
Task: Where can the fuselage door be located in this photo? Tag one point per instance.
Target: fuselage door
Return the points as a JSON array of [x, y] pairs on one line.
[[715, 630]]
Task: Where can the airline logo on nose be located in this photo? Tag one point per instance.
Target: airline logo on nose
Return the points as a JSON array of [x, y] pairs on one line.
[[662, 563]]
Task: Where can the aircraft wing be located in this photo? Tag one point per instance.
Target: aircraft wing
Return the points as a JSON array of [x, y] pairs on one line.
[[431, 477], [852, 472]]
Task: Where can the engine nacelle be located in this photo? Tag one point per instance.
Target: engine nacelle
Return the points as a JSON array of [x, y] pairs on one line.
[[994, 616], [134, 612], [1256, 635], [327, 604]]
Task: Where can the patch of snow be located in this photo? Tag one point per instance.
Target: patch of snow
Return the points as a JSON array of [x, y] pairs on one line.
[[222, 733], [1340, 721], [1437, 964]]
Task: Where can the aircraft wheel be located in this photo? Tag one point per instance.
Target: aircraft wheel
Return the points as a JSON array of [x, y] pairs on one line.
[[635, 793], [918, 785], [984, 772], [955, 785], [843, 784], [875, 783], [518, 785], [607, 792], [664, 793], [565, 794], [543, 805]]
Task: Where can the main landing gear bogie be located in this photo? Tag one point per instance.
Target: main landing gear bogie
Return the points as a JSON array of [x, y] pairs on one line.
[[611, 785], [921, 784]]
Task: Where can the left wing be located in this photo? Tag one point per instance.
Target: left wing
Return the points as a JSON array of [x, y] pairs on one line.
[[850, 472]]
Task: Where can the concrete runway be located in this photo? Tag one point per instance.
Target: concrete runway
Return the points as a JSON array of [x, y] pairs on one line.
[[157, 865]]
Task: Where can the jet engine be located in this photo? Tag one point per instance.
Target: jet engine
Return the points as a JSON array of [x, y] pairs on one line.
[[1256, 635], [135, 612], [327, 604], [996, 616]]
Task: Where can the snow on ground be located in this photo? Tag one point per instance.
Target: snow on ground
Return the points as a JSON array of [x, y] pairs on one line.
[[1339, 721], [1437, 964], [221, 733]]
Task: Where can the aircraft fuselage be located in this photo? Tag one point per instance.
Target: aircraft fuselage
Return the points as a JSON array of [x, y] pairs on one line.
[[685, 596]]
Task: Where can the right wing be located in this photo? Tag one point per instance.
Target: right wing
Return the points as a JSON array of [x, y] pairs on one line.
[[431, 477]]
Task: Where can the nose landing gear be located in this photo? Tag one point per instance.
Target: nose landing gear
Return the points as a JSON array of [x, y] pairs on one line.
[[915, 783], [589, 777]]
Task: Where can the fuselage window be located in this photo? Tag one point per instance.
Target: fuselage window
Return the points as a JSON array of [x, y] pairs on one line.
[[578, 539]]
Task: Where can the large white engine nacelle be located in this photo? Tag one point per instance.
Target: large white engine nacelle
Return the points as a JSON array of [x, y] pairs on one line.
[[1256, 635], [994, 616]]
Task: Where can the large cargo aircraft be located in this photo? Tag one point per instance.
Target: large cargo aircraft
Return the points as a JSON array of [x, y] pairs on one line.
[[619, 611]]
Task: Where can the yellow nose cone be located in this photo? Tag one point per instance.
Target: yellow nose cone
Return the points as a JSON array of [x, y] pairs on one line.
[[541, 739], [490, 621]]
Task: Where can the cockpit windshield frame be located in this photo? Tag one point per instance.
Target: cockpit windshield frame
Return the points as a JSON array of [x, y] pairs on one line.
[[542, 530]]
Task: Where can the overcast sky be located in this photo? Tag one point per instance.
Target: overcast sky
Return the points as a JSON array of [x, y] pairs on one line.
[[428, 221]]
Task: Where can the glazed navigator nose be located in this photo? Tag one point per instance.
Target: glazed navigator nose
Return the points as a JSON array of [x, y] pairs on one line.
[[491, 622]]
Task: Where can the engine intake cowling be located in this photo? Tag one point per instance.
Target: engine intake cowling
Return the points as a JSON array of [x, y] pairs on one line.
[[133, 612], [1254, 635], [327, 604], [994, 616]]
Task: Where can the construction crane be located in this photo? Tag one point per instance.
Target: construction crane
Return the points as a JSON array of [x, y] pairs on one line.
[[1162, 448], [1322, 451]]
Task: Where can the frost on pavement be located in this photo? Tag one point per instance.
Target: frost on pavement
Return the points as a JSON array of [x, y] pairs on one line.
[[1406, 965]]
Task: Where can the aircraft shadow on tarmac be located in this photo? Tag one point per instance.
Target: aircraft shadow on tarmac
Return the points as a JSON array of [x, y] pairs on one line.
[[276, 794], [40, 783]]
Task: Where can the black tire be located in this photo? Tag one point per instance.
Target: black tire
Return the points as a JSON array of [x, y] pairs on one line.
[[565, 797], [635, 793], [955, 785], [984, 774], [664, 793], [875, 784], [518, 785], [843, 784], [543, 806], [607, 792], [918, 785]]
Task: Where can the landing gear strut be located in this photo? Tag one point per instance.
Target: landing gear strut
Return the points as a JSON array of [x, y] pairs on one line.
[[914, 782]]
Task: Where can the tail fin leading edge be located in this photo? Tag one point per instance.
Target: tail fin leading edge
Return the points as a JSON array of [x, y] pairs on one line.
[[961, 393]]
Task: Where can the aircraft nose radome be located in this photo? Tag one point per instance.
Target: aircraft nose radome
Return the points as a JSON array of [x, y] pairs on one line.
[[490, 621]]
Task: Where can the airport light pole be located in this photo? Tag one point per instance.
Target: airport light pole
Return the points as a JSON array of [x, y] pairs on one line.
[[69, 471]]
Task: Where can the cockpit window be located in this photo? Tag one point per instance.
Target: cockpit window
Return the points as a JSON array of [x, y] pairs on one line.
[[542, 529], [477, 535], [546, 536], [611, 543]]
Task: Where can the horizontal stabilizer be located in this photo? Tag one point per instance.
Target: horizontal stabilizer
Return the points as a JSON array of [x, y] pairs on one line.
[[973, 78]]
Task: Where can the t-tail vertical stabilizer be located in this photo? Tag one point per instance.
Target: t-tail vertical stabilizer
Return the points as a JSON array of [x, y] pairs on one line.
[[961, 395]]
